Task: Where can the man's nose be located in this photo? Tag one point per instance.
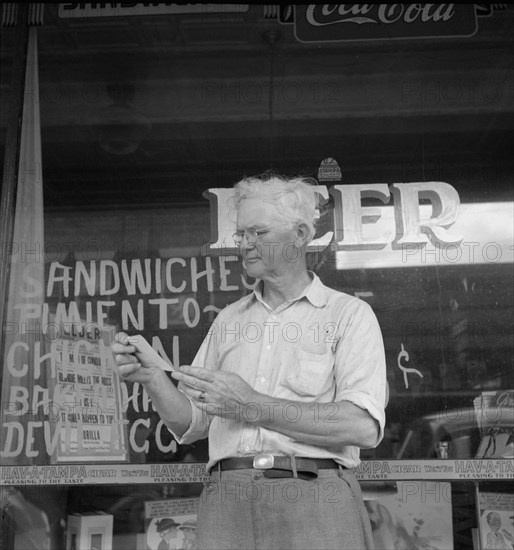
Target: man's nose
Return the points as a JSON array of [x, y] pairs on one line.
[[247, 242]]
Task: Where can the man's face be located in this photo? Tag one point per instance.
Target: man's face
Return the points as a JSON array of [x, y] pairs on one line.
[[170, 533], [495, 522], [273, 252], [189, 534]]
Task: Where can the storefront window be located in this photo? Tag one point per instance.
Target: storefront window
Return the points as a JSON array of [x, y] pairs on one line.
[[147, 117]]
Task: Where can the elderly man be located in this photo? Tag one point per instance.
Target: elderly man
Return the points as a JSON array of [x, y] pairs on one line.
[[288, 384]]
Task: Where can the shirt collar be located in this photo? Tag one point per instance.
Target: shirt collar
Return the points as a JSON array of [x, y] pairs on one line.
[[314, 292]]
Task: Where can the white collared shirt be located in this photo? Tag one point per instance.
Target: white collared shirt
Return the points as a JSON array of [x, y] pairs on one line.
[[322, 347]]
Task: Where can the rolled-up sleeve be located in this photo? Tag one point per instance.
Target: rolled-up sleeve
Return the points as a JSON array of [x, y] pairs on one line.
[[207, 357], [360, 367]]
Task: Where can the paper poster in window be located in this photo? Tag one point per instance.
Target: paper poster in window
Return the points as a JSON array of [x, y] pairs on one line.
[[495, 418], [87, 396], [496, 522], [418, 517], [171, 524]]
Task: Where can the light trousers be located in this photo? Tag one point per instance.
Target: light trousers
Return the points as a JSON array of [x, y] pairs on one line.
[[244, 509]]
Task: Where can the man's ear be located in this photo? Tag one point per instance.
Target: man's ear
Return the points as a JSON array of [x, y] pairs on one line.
[[302, 234]]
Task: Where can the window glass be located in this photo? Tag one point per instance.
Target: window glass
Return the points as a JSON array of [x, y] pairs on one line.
[[142, 115], [147, 119]]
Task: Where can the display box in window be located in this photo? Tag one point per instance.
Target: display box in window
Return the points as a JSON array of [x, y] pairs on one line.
[[91, 531]]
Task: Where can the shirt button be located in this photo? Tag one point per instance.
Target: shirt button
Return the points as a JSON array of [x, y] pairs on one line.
[[263, 379], [274, 317], [268, 347], [247, 448]]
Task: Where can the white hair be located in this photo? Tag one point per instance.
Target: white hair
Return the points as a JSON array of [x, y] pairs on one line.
[[294, 199]]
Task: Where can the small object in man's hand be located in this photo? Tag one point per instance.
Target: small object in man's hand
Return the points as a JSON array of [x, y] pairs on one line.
[[147, 355]]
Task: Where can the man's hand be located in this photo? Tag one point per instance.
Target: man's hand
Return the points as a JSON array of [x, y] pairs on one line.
[[216, 392], [173, 407], [127, 364]]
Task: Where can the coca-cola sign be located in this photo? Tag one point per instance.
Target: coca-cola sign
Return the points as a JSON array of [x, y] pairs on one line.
[[342, 22]]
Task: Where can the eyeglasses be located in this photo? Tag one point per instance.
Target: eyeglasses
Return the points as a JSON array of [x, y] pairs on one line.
[[252, 235]]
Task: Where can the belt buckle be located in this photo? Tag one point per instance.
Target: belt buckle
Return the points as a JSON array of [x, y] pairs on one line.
[[263, 461]]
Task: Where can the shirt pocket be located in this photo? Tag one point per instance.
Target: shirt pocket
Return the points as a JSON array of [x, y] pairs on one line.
[[311, 375]]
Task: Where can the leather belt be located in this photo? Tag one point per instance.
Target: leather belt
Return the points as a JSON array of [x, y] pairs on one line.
[[278, 466]]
